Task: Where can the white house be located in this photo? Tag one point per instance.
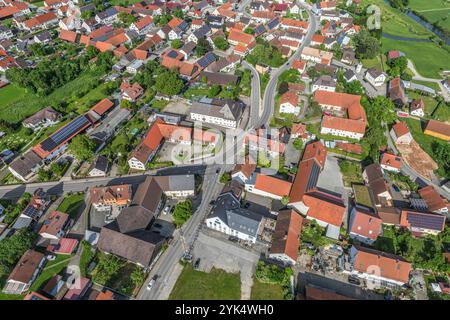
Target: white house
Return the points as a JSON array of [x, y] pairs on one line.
[[109, 16], [268, 186], [417, 108], [375, 77], [54, 226], [243, 172], [229, 218], [378, 268], [364, 227], [325, 83], [99, 168], [400, 133], [289, 103]]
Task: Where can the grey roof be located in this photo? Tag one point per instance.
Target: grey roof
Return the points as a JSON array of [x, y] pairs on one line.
[[202, 31], [325, 80], [374, 72], [22, 222], [44, 35], [219, 78], [25, 163], [134, 218], [349, 74], [188, 47], [101, 163], [227, 109], [227, 209], [137, 246], [107, 13]]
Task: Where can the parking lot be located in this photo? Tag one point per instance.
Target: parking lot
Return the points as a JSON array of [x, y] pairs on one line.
[[331, 178], [226, 256]]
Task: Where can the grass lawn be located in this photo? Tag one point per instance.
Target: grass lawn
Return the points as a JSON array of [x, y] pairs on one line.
[[51, 269], [4, 296], [197, 285], [72, 204], [195, 92], [351, 172], [430, 102], [397, 23], [160, 104], [362, 195], [87, 254], [10, 94], [433, 108], [428, 58], [379, 62], [266, 291], [422, 139], [433, 11]]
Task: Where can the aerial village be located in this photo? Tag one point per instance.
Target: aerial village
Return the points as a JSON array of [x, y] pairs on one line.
[[113, 114]]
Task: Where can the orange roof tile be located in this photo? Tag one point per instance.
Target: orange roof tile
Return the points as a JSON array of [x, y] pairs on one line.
[[400, 129], [103, 106], [366, 225], [391, 160], [272, 185], [326, 208], [289, 97], [67, 35], [434, 201]]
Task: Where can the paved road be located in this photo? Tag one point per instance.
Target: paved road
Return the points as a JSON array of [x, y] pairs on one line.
[[255, 97], [417, 76], [269, 94], [60, 187]]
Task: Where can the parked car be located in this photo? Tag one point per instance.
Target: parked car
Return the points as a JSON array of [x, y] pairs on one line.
[[166, 210], [395, 188], [151, 284], [354, 280], [197, 264], [51, 257]]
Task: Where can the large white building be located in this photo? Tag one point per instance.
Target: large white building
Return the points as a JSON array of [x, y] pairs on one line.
[[229, 218], [223, 113]]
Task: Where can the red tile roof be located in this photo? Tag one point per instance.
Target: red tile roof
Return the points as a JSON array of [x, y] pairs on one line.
[[433, 199], [325, 208], [54, 223], [118, 39], [286, 238], [64, 246], [175, 22], [439, 127], [8, 11], [67, 35], [344, 124], [350, 147], [386, 265], [104, 46], [240, 37], [391, 160], [295, 23], [103, 106], [289, 97], [142, 23], [316, 151], [41, 19], [400, 129], [298, 64], [366, 225], [272, 185]]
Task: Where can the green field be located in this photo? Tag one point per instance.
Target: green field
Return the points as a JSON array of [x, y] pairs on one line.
[[428, 58], [72, 204], [10, 94], [433, 11], [442, 113], [379, 62], [397, 23], [266, 291], [197, 285]]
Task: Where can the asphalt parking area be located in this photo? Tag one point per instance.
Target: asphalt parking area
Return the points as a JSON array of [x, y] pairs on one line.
[[226, 256]]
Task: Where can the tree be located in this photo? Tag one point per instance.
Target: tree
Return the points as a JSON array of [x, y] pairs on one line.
[[214, 91], [126, 18], [86, 15], [178, 13], [138, 276], [285, 200], [337, 50], [125, 104], [354, 87], [265, 53], [169, 83], [182, 212], [221, 43], [367, 46], [298, 144], [249, 30], [225, 178], [202, 47], [12, 248], [177, 44], [82, 148], [397, 66]]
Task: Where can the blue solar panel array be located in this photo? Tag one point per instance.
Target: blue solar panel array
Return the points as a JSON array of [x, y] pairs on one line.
[[313, 177], [260, 29], [425, 221], [206, 60], [172, 54], [64, 133], [272, 24]]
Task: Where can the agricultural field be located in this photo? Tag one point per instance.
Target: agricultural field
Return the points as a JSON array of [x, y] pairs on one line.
[[433, 11], [428, 65]]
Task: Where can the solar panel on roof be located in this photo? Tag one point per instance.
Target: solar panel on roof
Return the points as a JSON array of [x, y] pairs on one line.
[[64, 133], [260, 29], [313, 177], [426, 221], [31, 212], [272, 24], [172, 54]]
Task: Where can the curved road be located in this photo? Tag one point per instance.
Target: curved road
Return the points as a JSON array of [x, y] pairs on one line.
[[269, 94]]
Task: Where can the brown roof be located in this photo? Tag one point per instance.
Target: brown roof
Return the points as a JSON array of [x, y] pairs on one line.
[[137, 246], [286, 237], [44, 114], [350, 147], [54, 223], [246, 168], [389, 215], [27, 265], [148, 194], [103, 106], [438, 127], [120, 194], [289, 97], [434, 201], [316, 293]]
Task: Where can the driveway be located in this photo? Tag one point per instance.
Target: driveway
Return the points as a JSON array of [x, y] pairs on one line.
[[331, 178], [229, 257]]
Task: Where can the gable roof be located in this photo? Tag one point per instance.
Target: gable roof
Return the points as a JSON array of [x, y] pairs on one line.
[[421, 220], [272, 185], [325, 207], [27, 265], [432, 198], [286, 238], [366, 224], [388, 265]]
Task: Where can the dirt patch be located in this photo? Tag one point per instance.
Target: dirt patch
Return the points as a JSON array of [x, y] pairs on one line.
[[418, 159]]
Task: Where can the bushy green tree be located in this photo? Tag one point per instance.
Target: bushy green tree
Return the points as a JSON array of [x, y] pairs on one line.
[[221, 43], [169, 83], [82, 148], [182, 212]]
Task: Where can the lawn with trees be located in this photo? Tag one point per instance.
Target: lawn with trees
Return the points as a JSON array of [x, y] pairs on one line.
[[182, 212], [274, 275]]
